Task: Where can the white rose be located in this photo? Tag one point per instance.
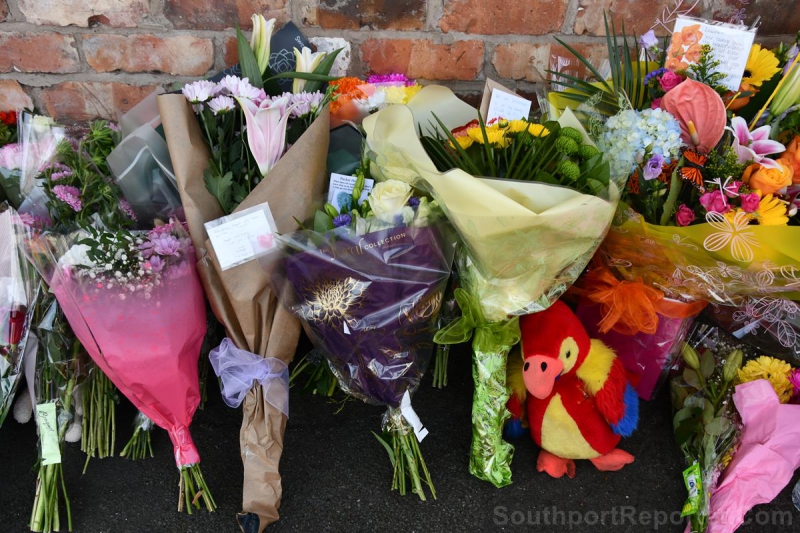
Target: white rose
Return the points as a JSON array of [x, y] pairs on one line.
[[388, 198]]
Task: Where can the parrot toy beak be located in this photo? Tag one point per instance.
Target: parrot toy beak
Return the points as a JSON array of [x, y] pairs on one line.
[[540, 373]]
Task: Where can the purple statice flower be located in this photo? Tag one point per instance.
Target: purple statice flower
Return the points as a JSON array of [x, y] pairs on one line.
[[654, 166], [651, 75], [342, 220], [126, 208], [413, 201], [199, 91], [221, 104], [69, 195], [394, 78]]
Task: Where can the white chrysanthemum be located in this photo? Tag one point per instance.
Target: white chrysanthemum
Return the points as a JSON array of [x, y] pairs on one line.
[[199, 91]]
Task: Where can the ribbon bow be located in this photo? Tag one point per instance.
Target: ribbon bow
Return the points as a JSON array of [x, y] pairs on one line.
[[472, 320], [631, 307], [239, 369]]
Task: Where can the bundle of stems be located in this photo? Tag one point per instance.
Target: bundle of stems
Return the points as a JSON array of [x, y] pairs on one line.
[[99, 418]]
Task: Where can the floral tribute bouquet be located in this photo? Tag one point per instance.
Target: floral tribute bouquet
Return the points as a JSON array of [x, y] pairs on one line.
[[734, 428], [217, 176], [354, 98], [367, 284], [708, 210], [135, 303], [18, 288], [525, 238]]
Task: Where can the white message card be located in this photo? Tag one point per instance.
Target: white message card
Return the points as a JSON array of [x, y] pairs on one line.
[[241, 237], [341, 190], [508, 106], [730, 44]]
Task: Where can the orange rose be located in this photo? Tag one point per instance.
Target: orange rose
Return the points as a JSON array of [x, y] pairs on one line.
[[768, 180], [691, 34], [791, 158], [693, 53]]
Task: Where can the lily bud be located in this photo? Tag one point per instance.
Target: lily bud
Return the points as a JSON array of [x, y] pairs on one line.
[[732, 364], [690, 356], [260, 40], [788, 94], [306, 61]]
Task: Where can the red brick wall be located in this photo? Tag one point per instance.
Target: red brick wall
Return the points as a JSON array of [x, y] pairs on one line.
[[77, 59]]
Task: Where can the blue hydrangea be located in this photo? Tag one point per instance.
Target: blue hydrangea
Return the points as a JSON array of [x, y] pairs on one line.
[[629, 134]]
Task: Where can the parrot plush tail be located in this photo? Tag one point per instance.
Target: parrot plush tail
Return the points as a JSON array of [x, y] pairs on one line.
[[630, 419], [515, 426]]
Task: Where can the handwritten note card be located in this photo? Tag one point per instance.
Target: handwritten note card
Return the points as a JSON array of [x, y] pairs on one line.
[[341, 190], [508, 106], [48, 433], [730, 44], [241, 237]]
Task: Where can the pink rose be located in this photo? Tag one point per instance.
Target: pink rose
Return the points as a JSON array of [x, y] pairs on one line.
[[669, 80], [732, 189], [684, 216], [715, 202], [656, 103], [750, 202]]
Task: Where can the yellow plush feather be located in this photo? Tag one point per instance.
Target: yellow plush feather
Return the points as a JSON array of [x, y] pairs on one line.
[[596, 367], [514, 380]]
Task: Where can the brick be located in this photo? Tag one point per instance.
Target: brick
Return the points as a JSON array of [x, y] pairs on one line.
[[374, 14], [637, 15], [38, 52], [81, 101], [343, 60], [182, 55], [530, 62], [462, 60], [222, 14], [523, 17], [12, 97], [3, 10], [84, 13], [778, 17]]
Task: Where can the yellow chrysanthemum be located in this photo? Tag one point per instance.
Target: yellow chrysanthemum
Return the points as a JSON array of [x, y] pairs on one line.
[[537, 130], [495, 135], [516, 126], [773, 370], [464, 141], [761, 66], [771, 212]]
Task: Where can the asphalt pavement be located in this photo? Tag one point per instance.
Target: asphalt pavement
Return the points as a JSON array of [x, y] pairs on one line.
[[337, 477]]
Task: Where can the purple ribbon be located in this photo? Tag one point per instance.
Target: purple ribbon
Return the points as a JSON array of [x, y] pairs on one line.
[[239, 369]]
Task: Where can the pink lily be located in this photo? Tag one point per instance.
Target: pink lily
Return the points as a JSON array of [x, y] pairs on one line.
[[266, 130], [754, 146]]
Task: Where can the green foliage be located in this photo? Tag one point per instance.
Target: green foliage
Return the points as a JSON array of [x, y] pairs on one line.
[[705, 70], [723, 164]]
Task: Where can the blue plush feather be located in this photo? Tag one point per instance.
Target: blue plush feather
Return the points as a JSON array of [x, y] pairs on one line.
[[513, 429], [630, 419]]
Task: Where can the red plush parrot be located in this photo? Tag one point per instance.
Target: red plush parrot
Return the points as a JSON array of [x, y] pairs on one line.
[[580, 401]]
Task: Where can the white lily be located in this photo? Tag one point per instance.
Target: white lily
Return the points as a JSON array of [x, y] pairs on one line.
[[306, 61], [260, 40]]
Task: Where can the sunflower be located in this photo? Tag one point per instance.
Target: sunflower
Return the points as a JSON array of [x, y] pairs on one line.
[[761, 66], [771, 212], [773, 370]]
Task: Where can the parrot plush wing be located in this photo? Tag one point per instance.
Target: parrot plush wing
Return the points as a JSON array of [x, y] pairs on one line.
[[604, 378], [514, 427]]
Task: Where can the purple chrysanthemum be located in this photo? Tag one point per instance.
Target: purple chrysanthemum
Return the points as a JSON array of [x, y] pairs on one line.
[[342, 220], [69, 195]]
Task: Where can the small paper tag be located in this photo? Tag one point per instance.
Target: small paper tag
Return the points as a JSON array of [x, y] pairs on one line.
[[412, 418], [508, 106], [48, 433], [341, 190], [693, 479], [241, 237]]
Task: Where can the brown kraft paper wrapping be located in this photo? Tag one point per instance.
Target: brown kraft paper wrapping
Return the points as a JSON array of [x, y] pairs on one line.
[[241, 297]]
